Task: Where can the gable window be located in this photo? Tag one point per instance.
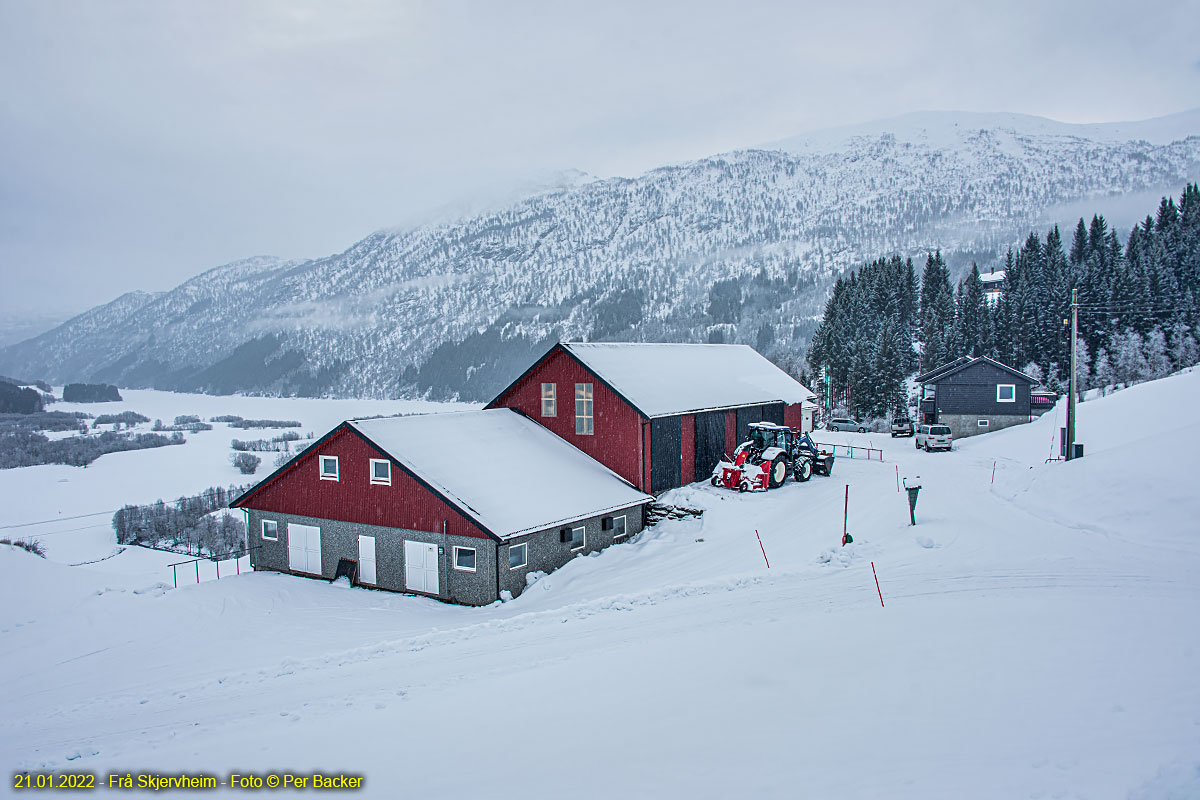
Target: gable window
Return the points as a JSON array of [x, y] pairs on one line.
[[270, 530], [381, 472], [549, 400], [518, 556], [329, 468], [929, 390], [464, 558], [583, 409], [1006, 393]]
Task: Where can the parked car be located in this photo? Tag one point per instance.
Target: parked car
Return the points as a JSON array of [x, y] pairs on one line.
[[845, 424], [934, 437], [902, 426]]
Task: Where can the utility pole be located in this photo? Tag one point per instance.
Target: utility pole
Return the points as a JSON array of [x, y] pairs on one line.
[[1071, 382]]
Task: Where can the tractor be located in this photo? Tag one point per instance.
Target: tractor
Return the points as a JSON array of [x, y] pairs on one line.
[[764, 460]]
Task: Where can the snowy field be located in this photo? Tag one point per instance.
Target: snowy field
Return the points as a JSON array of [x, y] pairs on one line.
[[1039, 638]]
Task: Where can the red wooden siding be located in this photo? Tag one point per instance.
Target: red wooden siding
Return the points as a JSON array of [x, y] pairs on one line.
[[687, 450], [731, 441], [793, 416], [405, 504], [616, 425], [647, 440]]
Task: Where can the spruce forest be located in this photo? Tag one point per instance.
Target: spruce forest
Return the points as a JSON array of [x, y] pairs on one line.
[[1139, 306]]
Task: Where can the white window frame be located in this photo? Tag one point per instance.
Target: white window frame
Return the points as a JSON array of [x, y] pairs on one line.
[[337, 469], [983, 423], [624, 525], [585, 401], [930, 392], [524, 547], [454, 559], [1012, 386], [582, 539], [381, 481], [274, 538], [550, 395]]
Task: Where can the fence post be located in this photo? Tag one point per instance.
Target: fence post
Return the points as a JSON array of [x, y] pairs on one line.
[[197, 563], [175, 575]]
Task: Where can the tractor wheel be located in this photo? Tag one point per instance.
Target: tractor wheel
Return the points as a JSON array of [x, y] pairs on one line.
[[778, 472], [713, 480], [803, 470], [743, 487]]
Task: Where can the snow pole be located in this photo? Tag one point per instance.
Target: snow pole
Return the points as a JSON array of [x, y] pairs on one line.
[[877, 589], [760, 547], [897, 478], [993, 472]]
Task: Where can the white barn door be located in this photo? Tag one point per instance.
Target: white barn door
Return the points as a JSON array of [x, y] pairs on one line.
[[421, 567], [366, 559], [304, 548]]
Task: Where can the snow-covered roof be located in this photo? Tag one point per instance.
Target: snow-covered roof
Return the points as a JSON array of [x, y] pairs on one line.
[[507, 472], [665, 379], [995, 276]]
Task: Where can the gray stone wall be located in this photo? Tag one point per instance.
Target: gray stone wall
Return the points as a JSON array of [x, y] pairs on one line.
[[340, 540], [546, 553], [963, 425]]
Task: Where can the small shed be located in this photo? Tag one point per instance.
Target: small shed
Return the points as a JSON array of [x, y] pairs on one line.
[[459, 506], [659, 415], [975, 395]]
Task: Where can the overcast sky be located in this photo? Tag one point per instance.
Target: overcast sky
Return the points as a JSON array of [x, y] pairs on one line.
[[143, 142]]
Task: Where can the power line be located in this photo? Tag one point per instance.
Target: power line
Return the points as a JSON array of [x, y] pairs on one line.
[[57, 519]]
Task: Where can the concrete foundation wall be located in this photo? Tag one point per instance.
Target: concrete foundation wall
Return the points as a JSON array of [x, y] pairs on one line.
[[963, 425], [339, 540]]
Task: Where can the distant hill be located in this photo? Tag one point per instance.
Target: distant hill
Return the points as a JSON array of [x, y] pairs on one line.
[[737, 247]]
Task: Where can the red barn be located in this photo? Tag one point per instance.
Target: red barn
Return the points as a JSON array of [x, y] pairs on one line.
[[457, 506], [659, 415]]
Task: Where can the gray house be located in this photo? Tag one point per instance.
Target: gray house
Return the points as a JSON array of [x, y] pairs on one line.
[[975, 395], [461, 507]]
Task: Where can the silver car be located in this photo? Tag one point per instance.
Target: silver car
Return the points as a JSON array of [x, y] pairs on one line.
[[844, 424], [934, 437]]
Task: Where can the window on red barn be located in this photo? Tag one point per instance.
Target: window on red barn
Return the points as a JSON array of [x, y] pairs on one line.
[[583, 409], [549, 400]]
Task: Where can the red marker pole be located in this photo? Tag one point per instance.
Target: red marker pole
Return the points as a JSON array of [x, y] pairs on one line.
[[760, 547], [897, 477], [877, 584], [993, 472]]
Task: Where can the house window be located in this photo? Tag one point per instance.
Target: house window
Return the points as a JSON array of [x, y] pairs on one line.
[[381, 472], [464, 558], [983, 423], [329, 468], [270, 530], [1006, 393], [578, 538], [618, 524], [929, 390], [517, 556], [549, 400], [614, 524], [583, 409]]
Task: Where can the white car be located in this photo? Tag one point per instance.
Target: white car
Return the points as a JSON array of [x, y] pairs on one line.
[[934, 437]]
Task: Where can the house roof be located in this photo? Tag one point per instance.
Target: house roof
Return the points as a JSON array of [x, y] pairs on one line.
[[993, 277], [662, 380], [958, 365], [504, 471]]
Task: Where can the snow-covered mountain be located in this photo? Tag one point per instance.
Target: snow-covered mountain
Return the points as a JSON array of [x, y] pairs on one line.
[[624, 258]]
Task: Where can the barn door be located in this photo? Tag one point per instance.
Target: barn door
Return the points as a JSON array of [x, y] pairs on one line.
[[710, 442], [366, 559], [304, 548], [666, 441], [773, 413], [744, 417], [421, 567]]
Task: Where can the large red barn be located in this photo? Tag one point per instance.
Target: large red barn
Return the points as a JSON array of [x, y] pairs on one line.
[[659, 415]]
